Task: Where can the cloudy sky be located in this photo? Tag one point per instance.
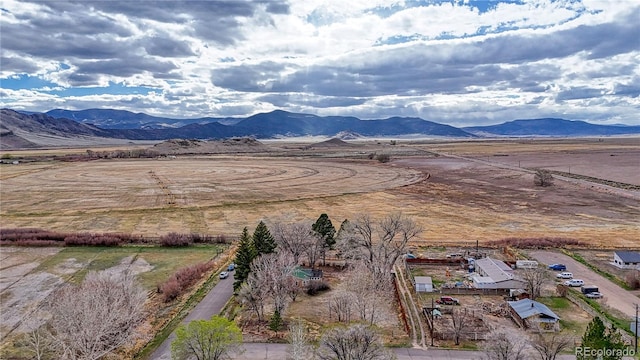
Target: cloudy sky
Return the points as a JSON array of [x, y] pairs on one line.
[[458, 62]]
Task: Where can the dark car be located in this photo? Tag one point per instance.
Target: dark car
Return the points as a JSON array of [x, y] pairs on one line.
[[558, 267], [448, 300]]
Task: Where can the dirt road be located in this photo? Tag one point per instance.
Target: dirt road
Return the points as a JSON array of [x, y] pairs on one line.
[[211, 305], [615, 296]]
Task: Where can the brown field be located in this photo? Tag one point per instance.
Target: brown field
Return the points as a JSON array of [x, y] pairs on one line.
[[455, 199]]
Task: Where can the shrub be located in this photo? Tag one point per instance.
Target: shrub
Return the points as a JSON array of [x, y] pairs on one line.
[[315, 287], [182, 280], [633, 280], [170, 290], [383, 158], [175, 239], [536, 243]]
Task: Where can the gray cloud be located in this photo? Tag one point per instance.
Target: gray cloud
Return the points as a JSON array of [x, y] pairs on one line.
[[17, 64]]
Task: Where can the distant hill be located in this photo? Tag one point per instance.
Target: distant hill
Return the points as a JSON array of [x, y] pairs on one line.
[[551, 127], [122, 119], [24, 129]]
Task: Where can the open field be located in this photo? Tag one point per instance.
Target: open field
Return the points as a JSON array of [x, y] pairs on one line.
[[29, 275], [454, 199]]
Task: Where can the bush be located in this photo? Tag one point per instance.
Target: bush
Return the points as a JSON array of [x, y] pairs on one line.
[[315, 287], [536, 243], [383, 158], [182, 280], [175, 240], [633, 280]]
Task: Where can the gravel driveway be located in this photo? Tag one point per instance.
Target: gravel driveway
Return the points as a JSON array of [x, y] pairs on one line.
[[615, 296]]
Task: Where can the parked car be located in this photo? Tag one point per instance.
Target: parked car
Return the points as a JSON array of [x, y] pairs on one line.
[[574, 282], [558, 267], [565, 275], [224, 275], [231, 267], [448, 300], [587, 289], [594, 295]]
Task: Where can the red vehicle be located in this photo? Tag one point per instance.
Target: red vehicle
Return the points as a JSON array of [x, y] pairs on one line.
[[448, 300]]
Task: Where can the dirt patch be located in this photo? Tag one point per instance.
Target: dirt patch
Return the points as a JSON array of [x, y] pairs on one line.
[[133, 264]]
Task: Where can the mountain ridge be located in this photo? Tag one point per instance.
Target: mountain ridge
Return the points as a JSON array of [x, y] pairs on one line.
[[276, 124]]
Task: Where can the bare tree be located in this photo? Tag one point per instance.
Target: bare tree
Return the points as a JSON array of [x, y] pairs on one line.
[[299, 347], [369, 292], [543, 177], [293, 238], [40, 342], [382, 243], [355, 342], [340, 305], [459, 319], [95, 318], [272, 273], [534, 280], [549, 347], [314, 249], [252, 295], [502, 345]]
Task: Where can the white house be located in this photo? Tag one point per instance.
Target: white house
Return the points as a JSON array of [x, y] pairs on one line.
[[626, 259], [495, 274], [423, 283]]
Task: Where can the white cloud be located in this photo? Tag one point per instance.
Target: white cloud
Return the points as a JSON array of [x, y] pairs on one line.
[[443, 61]]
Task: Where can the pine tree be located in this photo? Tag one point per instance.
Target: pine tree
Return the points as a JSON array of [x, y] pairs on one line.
[[598, 336], [245, 255], [263, 241], [276, 322], [327, 232]]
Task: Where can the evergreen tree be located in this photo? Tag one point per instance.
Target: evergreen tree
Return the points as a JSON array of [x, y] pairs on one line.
[[245, 255], [276, 321], [263, 241], [327, 232], [598, 336]]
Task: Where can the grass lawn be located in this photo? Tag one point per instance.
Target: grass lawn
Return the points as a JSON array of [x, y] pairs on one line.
[[573, 320], [165, 261]]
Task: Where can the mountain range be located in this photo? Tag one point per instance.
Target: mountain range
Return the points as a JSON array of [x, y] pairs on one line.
[[19, 127]]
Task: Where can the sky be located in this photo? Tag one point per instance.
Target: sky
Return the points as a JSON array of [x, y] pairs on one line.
[[460, 62]]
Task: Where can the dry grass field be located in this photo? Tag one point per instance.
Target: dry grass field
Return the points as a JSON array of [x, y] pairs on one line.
[[450, 189]]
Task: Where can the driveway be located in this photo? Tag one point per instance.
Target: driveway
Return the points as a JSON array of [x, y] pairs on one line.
[[211, 305], [615, 296]]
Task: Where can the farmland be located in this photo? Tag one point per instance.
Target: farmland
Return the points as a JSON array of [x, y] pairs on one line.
[[457, 192], [455, 199]]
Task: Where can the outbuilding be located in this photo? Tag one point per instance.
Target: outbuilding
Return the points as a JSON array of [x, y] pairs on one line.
[[533, 315], [495, 274], [423, 283], [626, 259]]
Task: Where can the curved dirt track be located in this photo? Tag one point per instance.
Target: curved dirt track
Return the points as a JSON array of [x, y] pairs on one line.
[[204, 181]]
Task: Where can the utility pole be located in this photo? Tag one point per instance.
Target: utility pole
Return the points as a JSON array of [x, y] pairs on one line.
[[636, 322]]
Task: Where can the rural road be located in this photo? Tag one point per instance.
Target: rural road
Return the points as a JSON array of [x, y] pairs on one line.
[[615, 296], [255, 351], [211, 305]]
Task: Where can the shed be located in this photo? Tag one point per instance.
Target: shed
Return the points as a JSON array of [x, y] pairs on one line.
[[533, 315], [423, 283], [626, 259]]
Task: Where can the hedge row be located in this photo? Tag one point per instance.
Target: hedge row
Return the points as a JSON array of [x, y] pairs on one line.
[[182, 280]]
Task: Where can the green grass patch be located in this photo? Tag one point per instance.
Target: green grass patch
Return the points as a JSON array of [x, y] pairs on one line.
[[556, 303], [613, 278], [165, 261], [619, 323]]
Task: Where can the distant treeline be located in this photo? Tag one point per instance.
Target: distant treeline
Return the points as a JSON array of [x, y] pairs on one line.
[[536, 243], [40, 237], [113, 154]]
